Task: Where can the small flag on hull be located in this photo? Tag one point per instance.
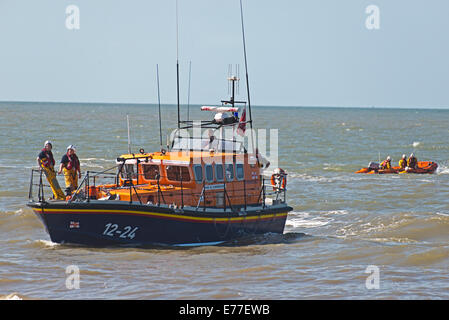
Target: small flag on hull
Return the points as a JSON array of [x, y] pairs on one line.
[[74, 224]]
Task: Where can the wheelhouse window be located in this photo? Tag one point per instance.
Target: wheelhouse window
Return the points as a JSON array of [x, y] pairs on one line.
[[219, 172], [209, 173], [229, 172], [150, 171], [239, 171], [128, 172], [175, 173], [198, 171]]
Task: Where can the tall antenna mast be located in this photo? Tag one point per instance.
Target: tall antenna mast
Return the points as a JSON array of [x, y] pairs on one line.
[[129, 137], [229, 76], [159, 102], [246, 66], [177, 63], [188, 95]]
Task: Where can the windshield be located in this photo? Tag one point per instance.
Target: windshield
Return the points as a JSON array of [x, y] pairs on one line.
[[205, 144]]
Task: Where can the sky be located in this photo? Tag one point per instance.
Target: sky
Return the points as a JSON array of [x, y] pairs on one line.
[[300, 52]]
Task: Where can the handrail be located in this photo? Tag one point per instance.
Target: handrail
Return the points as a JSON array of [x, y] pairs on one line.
[[240, 192]]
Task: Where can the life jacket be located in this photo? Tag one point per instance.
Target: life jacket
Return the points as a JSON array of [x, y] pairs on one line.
[[412, 162], [73, 162], [48, 161], [386, 164], [403, 163], [279, 182]]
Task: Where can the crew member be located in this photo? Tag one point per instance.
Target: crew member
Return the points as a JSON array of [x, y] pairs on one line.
[[70, 165], [403, 162], [412, 162], [45, 158], [386, 164], [279, 179], [46, 163]]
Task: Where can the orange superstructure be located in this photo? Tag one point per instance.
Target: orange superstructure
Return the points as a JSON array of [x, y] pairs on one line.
[[186, 178]]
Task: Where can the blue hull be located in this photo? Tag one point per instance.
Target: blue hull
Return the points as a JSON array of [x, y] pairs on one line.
[[116, 223]]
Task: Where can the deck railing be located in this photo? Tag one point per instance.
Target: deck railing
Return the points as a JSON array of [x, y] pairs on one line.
[[240, 195]]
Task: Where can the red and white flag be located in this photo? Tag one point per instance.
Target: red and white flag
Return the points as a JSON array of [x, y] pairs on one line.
[[242, 124], [74, 224]]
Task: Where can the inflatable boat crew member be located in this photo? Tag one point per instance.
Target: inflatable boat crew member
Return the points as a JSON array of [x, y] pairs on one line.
[[412, 162], [386, 164], [70, 165], [403, 162]]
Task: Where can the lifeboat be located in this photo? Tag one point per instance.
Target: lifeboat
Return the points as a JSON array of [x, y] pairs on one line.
[[200, 191], [424, 167]]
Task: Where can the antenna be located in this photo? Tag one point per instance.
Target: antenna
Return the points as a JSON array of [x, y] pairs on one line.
[[177, 63], [237, 66], [188, 95], [229, 76], [159, 102], [129, 137], [246, 65]]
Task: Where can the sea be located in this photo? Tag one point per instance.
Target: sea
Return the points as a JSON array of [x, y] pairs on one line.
[[350, 236]]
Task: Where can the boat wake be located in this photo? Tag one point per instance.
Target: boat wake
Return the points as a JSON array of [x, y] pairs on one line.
[[312, 219], [443, 169], [46, 243], [267, 239]]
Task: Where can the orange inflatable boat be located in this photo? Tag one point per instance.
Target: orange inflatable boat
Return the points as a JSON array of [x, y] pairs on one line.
[[423, 167]]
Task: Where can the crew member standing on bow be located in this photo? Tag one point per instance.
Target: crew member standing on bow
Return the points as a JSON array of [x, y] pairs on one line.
[[45, 158], [70, 165], [46, 163]]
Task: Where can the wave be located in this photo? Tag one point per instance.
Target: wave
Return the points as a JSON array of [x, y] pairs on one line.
[[423, 228], [97, 159], [326, 179], [21, 212], [442, 214], [12, 296], [306, 220], [427, 257], [45, 243], [314, 219], [442, 169]]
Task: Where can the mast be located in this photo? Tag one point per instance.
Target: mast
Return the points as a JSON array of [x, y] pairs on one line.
[[177, 65], [159, 102], [129, 137], [246, 66], [188, 96]]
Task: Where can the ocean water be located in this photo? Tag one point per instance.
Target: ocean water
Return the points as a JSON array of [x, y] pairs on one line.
[[343, 226]]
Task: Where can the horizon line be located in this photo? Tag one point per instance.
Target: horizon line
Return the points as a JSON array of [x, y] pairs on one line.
[[267, 106]]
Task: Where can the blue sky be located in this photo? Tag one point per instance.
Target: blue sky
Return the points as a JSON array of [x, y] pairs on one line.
[[300, 52]]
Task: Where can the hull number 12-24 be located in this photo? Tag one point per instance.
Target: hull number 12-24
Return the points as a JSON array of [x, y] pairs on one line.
[[113, 230]]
